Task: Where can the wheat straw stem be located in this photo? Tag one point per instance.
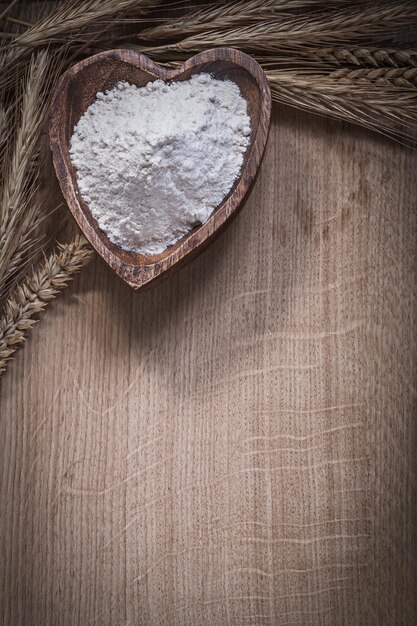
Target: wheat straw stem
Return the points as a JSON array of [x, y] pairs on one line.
[[389, 107], [33, 295], [71, 18], [64, 24], [7, 10], [225, 15], [21, 153], [18, 210], [289, 33], [384, 119], [25, 143]]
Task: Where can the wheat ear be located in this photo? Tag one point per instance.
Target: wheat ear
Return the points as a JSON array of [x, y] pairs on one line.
[[19, 212], [34, 294], [391, 76], [374, 57]]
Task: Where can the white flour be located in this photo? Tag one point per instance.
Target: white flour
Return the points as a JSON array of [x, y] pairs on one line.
[[154, 161]]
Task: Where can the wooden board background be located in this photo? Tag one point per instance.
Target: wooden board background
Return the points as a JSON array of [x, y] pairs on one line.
[[236, 446]]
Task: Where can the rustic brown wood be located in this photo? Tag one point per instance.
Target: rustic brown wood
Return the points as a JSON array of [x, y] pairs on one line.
[[77, 90], [236, 446]]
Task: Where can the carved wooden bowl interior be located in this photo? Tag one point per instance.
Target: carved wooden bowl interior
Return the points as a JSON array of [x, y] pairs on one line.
[[77, 90]]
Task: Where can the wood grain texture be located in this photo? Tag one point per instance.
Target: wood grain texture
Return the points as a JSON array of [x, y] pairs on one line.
[[236, 446], [77, 90]]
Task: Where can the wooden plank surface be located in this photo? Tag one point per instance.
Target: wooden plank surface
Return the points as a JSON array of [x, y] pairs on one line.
[[237, 445]]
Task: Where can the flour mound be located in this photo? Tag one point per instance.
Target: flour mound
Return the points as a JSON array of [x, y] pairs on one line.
[[152, 162]]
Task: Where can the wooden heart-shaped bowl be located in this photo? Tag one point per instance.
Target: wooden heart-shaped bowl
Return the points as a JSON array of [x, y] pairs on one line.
[[77, 90]]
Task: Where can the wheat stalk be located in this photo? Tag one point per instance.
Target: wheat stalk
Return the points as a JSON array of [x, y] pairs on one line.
[[335, 83], [386, 112], [71, 18], [335, 106], [19, 212], [291, 33], [348, 58], [7, 10], [65, 24], [368, 95], [34, 294], [27, 247], [365, 56], [27, 135], [227, 15], [391, 76]]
